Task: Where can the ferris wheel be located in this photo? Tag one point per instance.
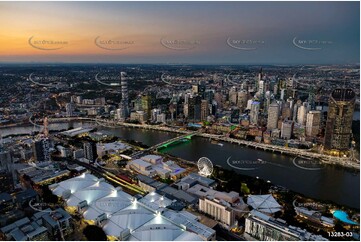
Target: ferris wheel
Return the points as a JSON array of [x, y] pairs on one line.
[[205, 166]]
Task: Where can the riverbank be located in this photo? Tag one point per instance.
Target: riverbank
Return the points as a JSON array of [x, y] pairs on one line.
[[229, 180], [294, 152]]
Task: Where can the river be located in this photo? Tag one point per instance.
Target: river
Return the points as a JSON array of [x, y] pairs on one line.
[[330, 183]]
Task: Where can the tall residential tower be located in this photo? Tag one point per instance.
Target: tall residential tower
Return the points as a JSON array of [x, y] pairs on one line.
[[338, 131], [124, 103]]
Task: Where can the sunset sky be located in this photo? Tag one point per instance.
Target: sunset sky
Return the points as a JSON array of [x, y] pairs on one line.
[[142, 26]]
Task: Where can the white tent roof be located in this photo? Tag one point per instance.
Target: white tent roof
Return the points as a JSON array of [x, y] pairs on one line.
[[157, 232], [188, 236], [108, 205], [74, 184], [155, 201], [264, 203], [91, 194], [131, 217]]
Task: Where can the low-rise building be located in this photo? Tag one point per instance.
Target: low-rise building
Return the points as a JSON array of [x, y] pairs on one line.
[[25, 230], [314, 216], [110, 148], [259, 226], [192, 179], [202, 191], [141, 167]]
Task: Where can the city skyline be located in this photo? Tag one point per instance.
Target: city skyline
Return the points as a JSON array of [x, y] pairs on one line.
[[180, 121], [147, 33]]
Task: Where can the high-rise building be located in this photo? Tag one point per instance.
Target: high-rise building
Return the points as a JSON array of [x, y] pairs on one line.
[[5, 159], [124, 103], [90, 151], [186, 110], [294, 112], [204, 110], [273, 113], [217, 209], [313, 121], [338, 131], [301, 114], [249, 104], [261, 87], [147, 105], [254, 112], [286, 111], [232, 95], [193, 108], [242, 100], [69, 108], [286, 129], [161, 118], [283, 94], [155, 113], [195, 89], [41, 150]]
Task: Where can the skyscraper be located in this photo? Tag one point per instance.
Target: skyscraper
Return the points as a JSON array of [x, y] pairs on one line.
[[41, 149], [338, 131], [147, 105], [273, 113], [204, 110], [242, 100], [313, 121], [90, 151], [69, 107], [232, 95], [124, 103], [286, 129], [301, 113], [254, 112]]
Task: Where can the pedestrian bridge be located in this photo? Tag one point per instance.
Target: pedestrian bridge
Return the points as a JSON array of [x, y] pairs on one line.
[[166, 143]]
